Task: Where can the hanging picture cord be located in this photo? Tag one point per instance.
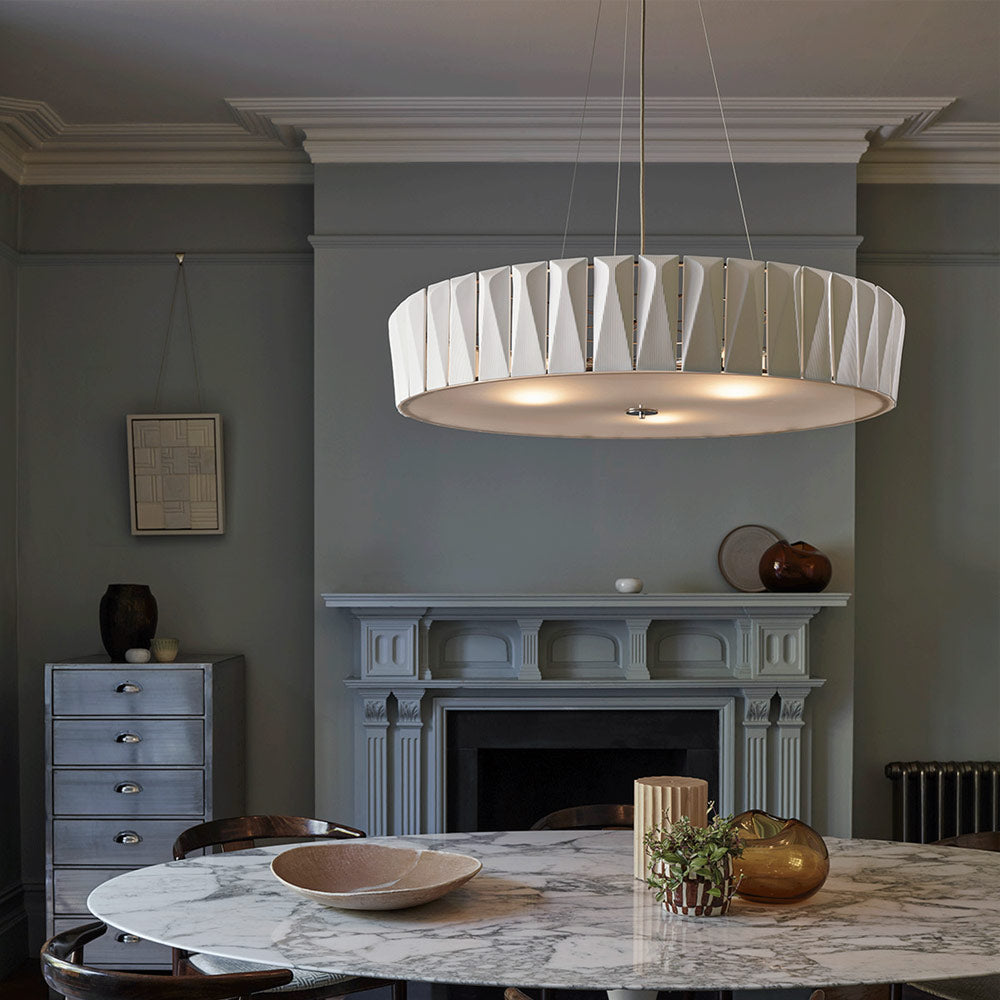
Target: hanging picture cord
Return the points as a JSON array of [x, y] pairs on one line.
[[180, 281]]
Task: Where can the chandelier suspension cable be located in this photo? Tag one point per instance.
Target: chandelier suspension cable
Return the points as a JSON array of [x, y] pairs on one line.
[[583, 119], [725, 129], [621, 129], [642, 129]]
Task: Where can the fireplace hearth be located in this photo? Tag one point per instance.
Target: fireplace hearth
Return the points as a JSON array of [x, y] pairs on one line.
[[479, 712]]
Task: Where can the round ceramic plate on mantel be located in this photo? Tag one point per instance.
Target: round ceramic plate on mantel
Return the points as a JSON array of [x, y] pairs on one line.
[[739, 556]]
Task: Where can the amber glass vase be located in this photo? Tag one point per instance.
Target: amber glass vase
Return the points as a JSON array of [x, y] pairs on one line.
[[783, 859]]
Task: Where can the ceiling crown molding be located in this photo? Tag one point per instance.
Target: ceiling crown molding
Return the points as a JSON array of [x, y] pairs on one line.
[[273, 140], [533, 129], [949, 153], [38, 147]]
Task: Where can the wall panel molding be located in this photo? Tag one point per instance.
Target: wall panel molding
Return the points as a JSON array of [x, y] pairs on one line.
[[592, 243], [76, 258], [928, 259]]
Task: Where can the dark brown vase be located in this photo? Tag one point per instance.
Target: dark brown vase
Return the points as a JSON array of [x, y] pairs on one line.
[[789, 567], [128, 618]]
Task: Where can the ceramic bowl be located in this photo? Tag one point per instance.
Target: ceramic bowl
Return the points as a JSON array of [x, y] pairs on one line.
[[164, 650], [361, 876]]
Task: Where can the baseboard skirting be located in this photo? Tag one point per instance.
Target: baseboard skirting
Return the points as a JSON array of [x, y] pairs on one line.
[[13, 928]]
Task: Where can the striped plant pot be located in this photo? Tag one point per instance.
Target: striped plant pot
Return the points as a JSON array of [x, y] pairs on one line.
[[691, 898]]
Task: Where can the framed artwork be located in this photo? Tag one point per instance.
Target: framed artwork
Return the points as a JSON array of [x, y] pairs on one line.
[[175, 473]]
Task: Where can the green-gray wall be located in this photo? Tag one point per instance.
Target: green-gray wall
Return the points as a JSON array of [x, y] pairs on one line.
[[96, 275], [12, 924], [403, 506], [927, 678]]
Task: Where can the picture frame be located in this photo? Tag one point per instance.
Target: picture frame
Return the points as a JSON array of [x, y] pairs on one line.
[[175, 473]]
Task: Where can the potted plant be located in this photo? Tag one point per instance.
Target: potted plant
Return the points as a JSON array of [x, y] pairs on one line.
[[691, 867]]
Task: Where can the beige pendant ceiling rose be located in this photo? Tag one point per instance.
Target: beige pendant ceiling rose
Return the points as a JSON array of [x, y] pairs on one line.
[[694, 348]]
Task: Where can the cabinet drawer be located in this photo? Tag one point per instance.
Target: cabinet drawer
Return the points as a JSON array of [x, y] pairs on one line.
[[128, 792], [128, 741], [122, 692], [92, 841], [115, 949], [72, 886]]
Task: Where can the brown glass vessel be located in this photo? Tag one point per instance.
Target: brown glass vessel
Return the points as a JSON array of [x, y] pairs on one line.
[[783, 859]]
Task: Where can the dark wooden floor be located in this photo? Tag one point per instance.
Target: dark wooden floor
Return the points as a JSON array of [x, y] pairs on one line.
[[25, 984]]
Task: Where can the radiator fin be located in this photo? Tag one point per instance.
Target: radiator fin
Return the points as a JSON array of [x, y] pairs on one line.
[[936, 799]]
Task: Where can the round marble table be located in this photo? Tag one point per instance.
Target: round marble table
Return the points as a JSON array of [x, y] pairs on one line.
[[561, 909]]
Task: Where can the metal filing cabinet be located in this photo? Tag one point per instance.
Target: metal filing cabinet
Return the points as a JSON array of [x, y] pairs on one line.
[[134, 754]]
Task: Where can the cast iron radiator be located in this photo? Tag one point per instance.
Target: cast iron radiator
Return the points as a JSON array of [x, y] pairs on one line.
[[936, 799]]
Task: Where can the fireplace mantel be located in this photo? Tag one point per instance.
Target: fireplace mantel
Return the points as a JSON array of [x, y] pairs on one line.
[[421, 656]]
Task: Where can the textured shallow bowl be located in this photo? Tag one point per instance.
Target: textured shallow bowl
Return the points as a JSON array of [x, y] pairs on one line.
[[360, 876]]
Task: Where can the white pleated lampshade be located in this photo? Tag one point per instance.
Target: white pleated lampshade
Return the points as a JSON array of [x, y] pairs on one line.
[[695, 347]]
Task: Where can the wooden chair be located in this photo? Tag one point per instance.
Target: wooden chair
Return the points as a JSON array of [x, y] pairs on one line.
[[240, 833], [64, 971], [988, 840], [827, 993], [601, 817], [978, 987]]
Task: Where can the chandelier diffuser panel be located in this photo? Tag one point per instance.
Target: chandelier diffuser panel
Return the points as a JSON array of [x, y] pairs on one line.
[[647, 346], [762, 347]]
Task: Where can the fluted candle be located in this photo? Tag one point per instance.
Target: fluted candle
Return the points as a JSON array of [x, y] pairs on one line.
[[659, 801]]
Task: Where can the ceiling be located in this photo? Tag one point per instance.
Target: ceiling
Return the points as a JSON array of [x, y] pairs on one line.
[[173, 61]]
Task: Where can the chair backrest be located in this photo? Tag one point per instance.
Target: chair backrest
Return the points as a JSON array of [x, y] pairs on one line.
[[988, 841], [241, 832], [64, 971], [878, 992], [601, 817]]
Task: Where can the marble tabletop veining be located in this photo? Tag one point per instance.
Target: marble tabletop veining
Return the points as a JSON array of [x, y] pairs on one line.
[[561, 909]]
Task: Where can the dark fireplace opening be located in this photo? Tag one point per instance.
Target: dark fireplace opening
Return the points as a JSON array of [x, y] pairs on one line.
[[508, 768]]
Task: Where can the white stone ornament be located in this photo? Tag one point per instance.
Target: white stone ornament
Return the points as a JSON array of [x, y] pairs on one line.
[[137, 656], [628, 585]]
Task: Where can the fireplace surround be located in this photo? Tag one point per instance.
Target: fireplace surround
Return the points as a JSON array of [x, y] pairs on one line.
[[428, 663]]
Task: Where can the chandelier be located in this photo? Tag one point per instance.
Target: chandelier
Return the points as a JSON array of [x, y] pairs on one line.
[[647, 346]]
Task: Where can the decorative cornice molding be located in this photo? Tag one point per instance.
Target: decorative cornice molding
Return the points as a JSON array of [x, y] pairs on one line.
[[273, 140], [534, 129], [38, 147], [949, 153]]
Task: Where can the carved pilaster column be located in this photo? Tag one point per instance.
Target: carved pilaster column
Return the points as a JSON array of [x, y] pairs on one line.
[[745, 654], [529, 670], [790, 722], [375, 722], [424, 649], [636, 667], [756, 721], [407, 791]]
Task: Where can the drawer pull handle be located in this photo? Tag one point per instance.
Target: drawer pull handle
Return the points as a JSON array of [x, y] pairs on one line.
[[128, 788], [128, 938], [128, 687], [128, 738], [128, 837]]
